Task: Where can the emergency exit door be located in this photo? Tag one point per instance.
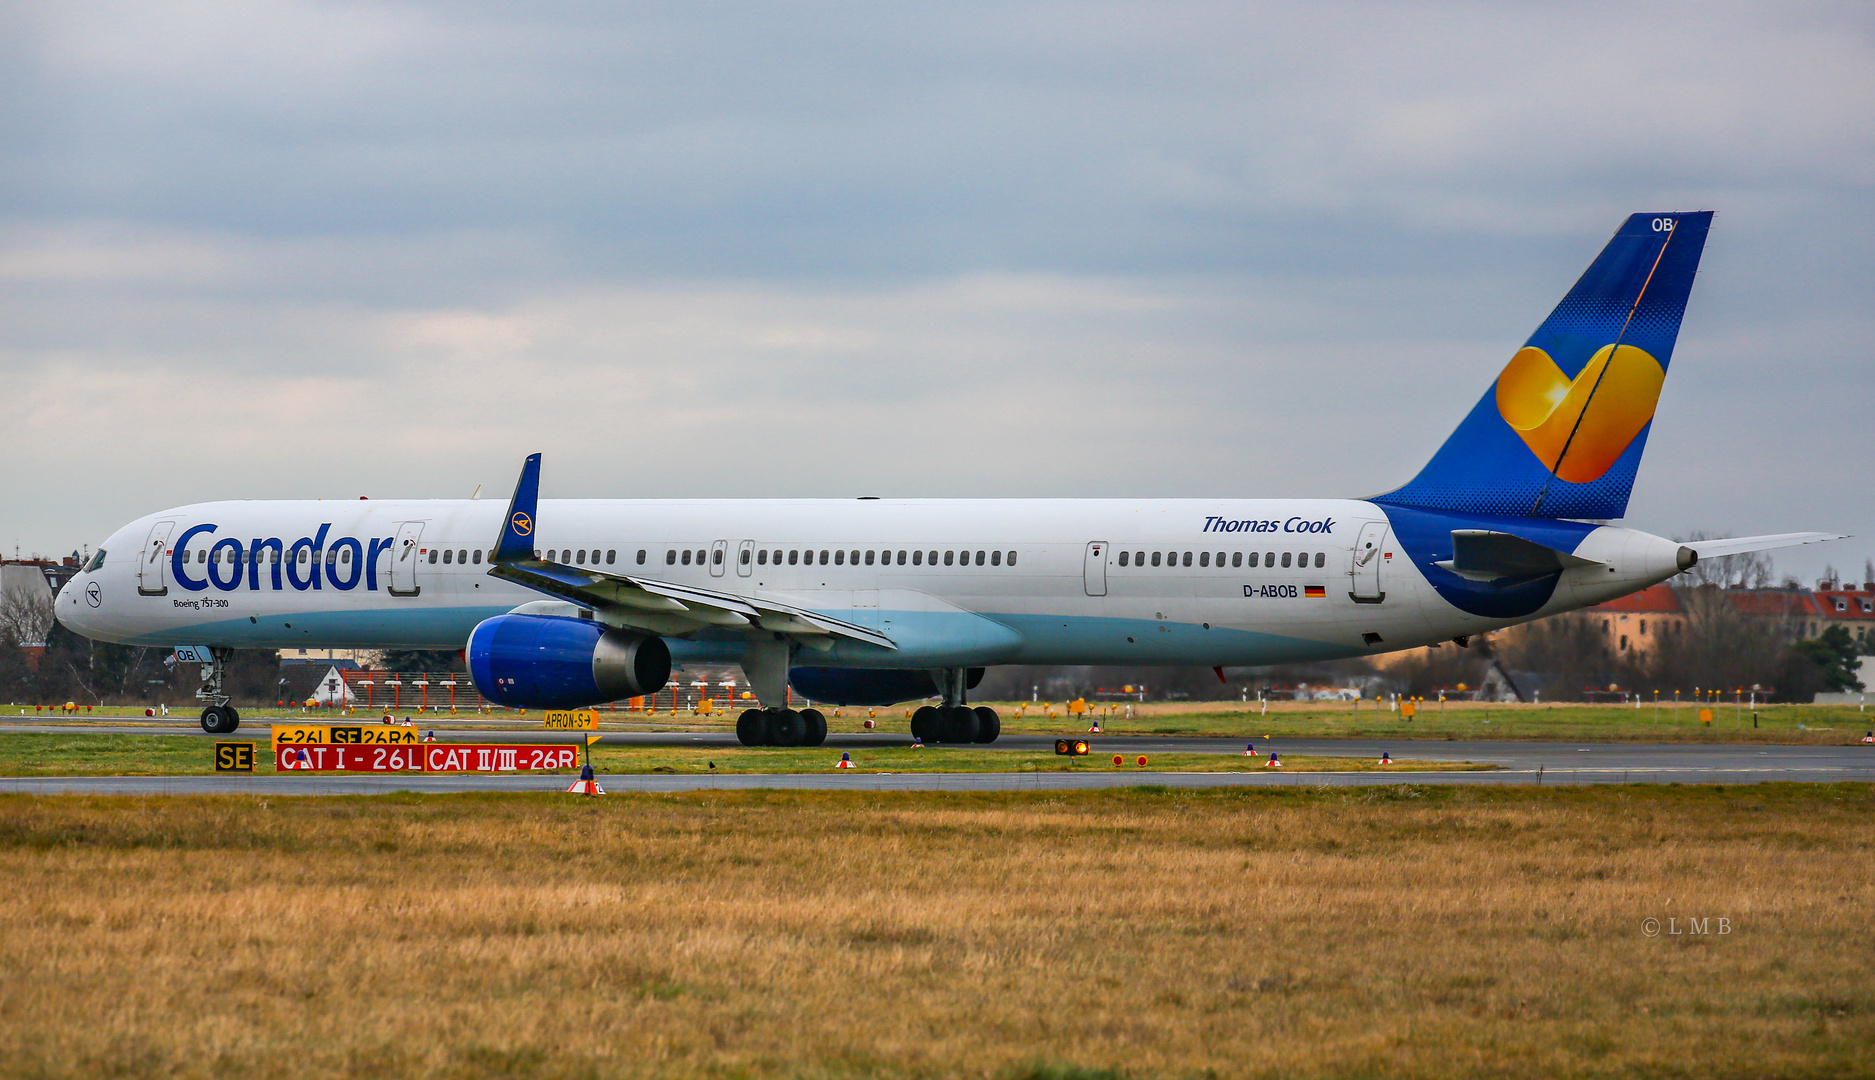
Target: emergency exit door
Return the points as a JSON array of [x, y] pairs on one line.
[[1094, 568], [406, 554]]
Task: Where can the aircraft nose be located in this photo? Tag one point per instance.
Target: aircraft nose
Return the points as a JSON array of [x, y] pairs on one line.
[[71, 610]]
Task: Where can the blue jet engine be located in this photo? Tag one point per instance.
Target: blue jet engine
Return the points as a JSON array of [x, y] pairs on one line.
[[553, 662]]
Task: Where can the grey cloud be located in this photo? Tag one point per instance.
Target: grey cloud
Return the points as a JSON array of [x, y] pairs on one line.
[[978, 248]]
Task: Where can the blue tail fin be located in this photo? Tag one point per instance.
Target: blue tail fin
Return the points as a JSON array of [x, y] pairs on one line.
[[1560, 434], [517, 529]]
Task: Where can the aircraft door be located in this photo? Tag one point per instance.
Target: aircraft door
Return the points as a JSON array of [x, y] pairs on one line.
[[719, 554], [745, 558], [152, 569], [1364, 564], [1094, 568], [406, 554]]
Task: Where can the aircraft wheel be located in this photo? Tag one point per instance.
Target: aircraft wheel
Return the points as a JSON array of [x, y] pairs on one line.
[[989, 725], [215, 720], [813, 727], [924, 726], [960, 724], [234, 718], [785, 728], [749, 728]]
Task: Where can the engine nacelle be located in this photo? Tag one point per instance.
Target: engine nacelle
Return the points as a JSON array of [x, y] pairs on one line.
[[552, 662], [865, 686]]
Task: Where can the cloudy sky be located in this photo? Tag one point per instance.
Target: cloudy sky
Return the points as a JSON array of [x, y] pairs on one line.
[[290, 249]]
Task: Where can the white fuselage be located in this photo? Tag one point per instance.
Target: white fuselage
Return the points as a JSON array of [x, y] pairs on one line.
[[950, 582]]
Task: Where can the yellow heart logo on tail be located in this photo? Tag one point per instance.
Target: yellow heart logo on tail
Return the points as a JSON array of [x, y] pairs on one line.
[[1613, 398]]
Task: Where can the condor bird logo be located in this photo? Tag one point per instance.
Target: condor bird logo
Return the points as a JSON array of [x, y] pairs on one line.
[[523, 525], [1579, 427]]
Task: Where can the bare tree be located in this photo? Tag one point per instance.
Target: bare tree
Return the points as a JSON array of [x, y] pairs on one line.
[[26, 618], [1752, 570]]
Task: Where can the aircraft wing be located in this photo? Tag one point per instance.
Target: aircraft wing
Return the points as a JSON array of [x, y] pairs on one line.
[[658, 607]]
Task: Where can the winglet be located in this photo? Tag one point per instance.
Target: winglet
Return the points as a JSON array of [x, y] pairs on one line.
[[517, 529]]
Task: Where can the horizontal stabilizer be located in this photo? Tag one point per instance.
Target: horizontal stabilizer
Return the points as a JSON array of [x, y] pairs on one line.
[[1714, 549], [1483, 555]]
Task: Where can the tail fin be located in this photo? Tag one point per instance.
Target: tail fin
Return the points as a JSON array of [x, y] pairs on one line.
[[1561, 432], [517, 529]]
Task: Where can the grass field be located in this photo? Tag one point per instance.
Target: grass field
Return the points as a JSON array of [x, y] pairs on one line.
[[1821, 724], [1391, 932], [97, 754]]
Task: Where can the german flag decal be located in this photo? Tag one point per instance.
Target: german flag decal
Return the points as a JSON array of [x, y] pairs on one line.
[[1315, 590]]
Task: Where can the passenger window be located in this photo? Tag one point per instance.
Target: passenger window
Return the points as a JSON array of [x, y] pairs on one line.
[[917, 558], [1321, 559], [855, 558], [1285, 560], [579, 557], [980, 558], [477, 556], [461, 556], [433, 554], [1236, 558], [823, 558], [901, 558], [869, 558], [931, 558], [1188, 558], [1123, 557], [686, 556], [1204, 558], [761, 557], [449, 557], [839, 557], [1012, 558], [1269, 560], [611, 556], [716, 556], [996, 558], [1220, 558], [793, 556], [947, 557], [1155, 558]]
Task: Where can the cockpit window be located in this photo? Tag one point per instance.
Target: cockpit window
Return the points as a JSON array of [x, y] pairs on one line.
[[97, 561]]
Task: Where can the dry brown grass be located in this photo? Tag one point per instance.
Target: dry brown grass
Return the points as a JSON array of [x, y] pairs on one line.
[[1284, 933]]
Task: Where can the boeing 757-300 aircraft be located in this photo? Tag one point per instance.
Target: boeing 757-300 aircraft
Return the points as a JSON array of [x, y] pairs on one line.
[[568, 603]]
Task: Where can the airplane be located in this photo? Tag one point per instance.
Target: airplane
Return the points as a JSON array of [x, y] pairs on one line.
[[566, 603]]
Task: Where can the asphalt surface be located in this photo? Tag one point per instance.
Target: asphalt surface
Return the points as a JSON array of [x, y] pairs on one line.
[[1517, 762]]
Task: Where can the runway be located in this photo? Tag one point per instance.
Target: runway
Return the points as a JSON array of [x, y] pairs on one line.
[[1518, 763]]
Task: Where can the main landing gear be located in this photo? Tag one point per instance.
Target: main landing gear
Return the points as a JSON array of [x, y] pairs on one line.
[[955, 721], [781, 727], [220, 718]]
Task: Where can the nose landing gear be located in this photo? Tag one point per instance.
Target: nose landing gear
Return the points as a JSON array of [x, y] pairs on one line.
[[219, 718]]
